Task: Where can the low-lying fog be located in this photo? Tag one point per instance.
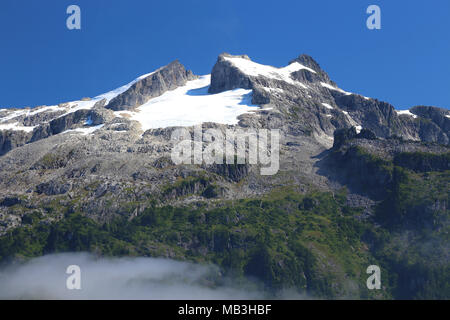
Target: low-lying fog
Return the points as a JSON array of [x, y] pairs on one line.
[[118, 278]]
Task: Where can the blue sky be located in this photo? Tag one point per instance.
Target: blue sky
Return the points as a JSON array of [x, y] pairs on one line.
[[42, 62]]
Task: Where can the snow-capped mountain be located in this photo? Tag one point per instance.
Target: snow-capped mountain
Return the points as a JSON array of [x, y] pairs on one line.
[[131, 125], [172, 96]]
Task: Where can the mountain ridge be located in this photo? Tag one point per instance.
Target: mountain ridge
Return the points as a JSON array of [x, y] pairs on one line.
[[16, 125]]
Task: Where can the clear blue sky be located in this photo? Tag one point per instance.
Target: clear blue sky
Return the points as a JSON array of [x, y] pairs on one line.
[[42, 62]]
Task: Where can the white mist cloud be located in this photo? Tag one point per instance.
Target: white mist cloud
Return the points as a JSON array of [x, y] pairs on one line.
[[118, 278]]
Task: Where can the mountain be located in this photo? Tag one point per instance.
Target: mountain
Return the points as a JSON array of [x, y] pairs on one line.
[[359, 182]]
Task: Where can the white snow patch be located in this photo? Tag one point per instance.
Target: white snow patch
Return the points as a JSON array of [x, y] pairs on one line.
[[255, 69], [191, 105], [44, 109], [79, 105], [328, 86], [353, 122], [117, 124], [276, 90], [407, 112], [326, 105], [16, 127], [84, 131], [448, 116]]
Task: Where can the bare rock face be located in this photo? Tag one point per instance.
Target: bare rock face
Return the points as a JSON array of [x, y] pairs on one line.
[[225, 76], [61, 124], [305, 75], [437, 115], [47, 124], [164, 79], [10, 139], [375, 115], [100, 115], [435, 126], [52, 188], [430, 125], [37, 119]]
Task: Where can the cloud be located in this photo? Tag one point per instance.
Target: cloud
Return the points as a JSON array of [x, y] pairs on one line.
[[119, 278]]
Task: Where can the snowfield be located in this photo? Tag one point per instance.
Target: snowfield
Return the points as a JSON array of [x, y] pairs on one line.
[[326, 105], [188, 105], [191, 105], [84, 131]]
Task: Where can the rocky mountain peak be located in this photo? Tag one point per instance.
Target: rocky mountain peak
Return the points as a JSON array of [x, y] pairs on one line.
[[307, 61], [225, 76], [319, 75], [155, 84], [239, 71], [225, 55]]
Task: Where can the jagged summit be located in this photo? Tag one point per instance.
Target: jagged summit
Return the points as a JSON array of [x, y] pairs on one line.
[[239, 71], [153, 85], [309, 62]]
